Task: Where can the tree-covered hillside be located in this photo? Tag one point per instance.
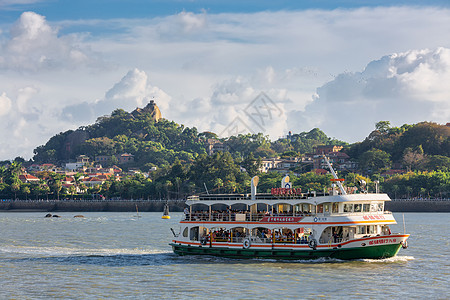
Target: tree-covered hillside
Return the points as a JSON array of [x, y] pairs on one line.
[[422, 146], [159, 143], [152, 143]]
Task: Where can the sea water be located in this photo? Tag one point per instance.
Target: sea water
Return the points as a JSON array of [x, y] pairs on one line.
[[122, 256]]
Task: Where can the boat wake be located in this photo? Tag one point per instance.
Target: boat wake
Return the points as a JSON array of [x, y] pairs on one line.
[[99, 257], [64, 251], [394, 259]]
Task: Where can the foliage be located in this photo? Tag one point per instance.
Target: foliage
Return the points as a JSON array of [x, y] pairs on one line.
[[375, 160]]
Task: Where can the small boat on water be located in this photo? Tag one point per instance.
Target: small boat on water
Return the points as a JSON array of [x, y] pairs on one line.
[[166, 212], [289, 224]]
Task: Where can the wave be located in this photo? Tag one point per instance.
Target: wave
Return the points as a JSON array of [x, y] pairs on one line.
[[65, 251], [394, 259]]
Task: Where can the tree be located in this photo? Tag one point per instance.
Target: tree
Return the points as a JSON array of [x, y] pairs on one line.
[[251, 165], [218, 183], [72, 189], [412, 158], [25, 189], [374, 160], [15, 187], [383, 126]]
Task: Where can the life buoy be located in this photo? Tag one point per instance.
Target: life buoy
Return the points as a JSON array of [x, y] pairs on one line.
[[312, 244], [246, 244], [404, 244]]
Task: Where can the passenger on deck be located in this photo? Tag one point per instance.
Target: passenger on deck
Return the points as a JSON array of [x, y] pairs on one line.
[[335, 237]]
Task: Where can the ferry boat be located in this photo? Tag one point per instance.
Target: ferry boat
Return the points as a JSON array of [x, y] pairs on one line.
[[289, 224]]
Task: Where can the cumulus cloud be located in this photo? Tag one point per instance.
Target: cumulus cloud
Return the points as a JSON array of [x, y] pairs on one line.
[[402, 87], [133, 90], [182, 24], [241, 104], [5, 104], [205, 69], [34, 45], [21, 122]]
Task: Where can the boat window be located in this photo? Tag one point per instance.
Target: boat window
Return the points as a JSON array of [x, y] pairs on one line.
[[380, 206], [306, 208], [327, 207], [185, 232], [194, 234], [358, 207], [366, 207], [335, 207], [320, 208], [374, 207], [361, 230], [348, 207], [371, 229]]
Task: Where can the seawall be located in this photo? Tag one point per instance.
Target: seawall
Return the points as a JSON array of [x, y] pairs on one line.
[[409, 205], [80, 206]]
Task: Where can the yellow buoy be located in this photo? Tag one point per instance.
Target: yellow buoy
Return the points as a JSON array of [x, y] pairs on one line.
[[166, 212]]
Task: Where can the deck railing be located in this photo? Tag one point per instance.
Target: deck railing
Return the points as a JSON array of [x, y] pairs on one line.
[[226, 217]]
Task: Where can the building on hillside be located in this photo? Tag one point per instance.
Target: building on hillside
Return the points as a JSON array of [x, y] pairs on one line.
[[269, 164], [126, 158], [74, 166], [102, 158], [340, 161], [213, 146], [327, 149], [92, 181], [27, 178], [83, 159]]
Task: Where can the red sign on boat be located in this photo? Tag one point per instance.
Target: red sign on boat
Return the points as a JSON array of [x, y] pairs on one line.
[[281, 219], [285, 191]]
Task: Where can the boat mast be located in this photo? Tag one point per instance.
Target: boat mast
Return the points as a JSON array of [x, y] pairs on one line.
[[343, 192]]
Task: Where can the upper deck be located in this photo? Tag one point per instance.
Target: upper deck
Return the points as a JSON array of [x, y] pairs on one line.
[[267, 198]]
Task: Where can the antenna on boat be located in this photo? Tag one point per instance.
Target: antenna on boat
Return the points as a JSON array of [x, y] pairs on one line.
[[404, 226], [338, 182], [206, 188]]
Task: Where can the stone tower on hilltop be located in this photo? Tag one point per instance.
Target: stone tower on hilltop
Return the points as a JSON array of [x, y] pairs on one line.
[[151, 108]]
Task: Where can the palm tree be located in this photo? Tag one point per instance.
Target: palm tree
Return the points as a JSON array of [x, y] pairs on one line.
[[218, 183], [72, 189], [26, 190], [15, 187], [15, 168], [56, 184]]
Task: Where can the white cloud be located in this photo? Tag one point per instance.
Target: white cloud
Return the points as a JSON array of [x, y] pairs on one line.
[[133, 90], [5, 104], [204, 69], [403, 87], [7, 3], [236, 105], [34, 45]]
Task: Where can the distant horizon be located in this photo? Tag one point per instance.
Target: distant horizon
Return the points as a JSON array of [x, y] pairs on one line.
[[222, 66]]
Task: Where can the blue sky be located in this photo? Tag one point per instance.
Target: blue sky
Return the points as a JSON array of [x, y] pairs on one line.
[[340, 66], [108, 9]]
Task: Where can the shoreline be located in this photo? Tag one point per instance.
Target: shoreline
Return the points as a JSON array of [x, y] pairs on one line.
[[176, 205]]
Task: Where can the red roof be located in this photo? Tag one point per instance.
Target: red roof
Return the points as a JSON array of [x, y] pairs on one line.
[[320, 171], [28, 177]]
